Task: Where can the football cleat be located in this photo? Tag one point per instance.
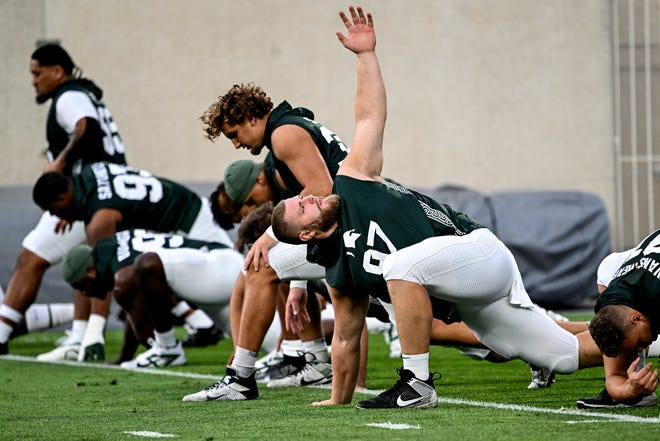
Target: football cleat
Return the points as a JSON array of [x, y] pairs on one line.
[[67, 348], [230, 388], [313, 373], [93, 352], [203, 337], [407, 392], [541, 378], [603, 400], [67, 351], [158, 357], [268, 360], [288, 366]]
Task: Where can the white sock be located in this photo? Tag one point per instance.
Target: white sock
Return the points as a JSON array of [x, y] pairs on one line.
[[48, 315], [418, 364], [291, 348], [93, 333], [5, 332], [244, 361], [78, 328], [180, 308], [318, 348], [165, 339], [199, 320], [10, 313]]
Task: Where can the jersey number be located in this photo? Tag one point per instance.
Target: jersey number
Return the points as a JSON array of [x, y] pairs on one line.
[[373, 259], [135, 185]]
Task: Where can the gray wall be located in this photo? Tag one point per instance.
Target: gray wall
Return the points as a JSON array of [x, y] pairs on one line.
[[489, 94]]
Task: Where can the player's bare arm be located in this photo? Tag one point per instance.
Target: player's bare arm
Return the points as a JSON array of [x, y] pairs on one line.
[[365, 160], [350, 311], [103, 224], [294, 146], [624, 381]]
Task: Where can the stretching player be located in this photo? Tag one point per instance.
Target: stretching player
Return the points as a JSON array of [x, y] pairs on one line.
[[306, 156], [110, 197], [627, 321], [79, 130], [147, 272], [381, 238]]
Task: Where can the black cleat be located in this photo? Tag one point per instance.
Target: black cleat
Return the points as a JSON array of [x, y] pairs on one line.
[[289, 365], [604, 401], [409, 391], [200, 338]]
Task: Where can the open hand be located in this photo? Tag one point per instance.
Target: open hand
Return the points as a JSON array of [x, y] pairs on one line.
[[361, 36]]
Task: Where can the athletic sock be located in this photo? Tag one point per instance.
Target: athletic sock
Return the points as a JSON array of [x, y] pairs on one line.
[[418, 364], [244, 361], [11, 314], [291, 348], [46, 316], [181, 308], [78, 328], [165, 339], [318, 348], [5, 332], [199, 320]]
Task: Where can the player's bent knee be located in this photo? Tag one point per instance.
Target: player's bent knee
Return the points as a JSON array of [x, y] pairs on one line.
[[29, 261], [561, 364], [148, 265]]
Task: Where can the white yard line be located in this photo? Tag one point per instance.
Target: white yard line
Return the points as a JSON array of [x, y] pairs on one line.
[[613, 417]]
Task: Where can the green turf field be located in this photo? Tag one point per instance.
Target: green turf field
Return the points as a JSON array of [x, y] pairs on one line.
[[478, 400]]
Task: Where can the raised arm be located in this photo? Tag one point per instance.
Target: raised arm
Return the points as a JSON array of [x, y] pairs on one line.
[[365, 160]]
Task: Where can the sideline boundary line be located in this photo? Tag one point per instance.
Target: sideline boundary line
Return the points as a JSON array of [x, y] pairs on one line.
[[607, 417]]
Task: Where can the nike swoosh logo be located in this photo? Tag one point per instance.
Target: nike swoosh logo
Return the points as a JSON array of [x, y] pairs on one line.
[[324, 380], [405, 403]]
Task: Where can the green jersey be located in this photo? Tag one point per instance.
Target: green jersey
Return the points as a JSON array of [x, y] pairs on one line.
[[279, 192], [331, 148], [114, 253], [376, 219], [637, 282], [145, 201]]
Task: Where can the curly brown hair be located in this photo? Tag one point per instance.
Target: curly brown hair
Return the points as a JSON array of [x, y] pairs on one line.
[[239, 103]]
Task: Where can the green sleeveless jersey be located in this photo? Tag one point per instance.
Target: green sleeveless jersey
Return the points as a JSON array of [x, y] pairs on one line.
[[378, 218], [114, 253], [279, 192], [637, 282], [332, 149], [145, 201], [109, 147]]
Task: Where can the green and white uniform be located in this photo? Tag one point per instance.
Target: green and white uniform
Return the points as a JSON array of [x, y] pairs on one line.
[[388, 232], [288, 261], [636, 282], [199, 271], [330, 146], [145, 201], [72, 101]]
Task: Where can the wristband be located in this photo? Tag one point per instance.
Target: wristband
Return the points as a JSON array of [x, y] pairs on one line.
[[301, 284]]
